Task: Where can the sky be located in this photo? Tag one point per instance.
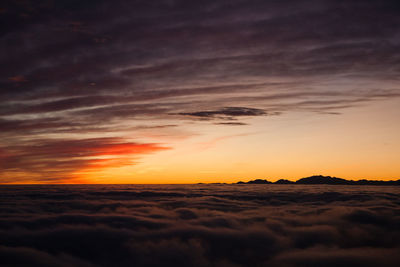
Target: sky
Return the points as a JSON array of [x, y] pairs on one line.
[[198, 91]]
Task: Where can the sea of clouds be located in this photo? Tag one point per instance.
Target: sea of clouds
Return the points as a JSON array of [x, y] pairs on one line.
[[199, 225]]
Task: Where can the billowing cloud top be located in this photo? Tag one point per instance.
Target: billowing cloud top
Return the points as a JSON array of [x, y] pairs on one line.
[[199, 225], [82, 71]]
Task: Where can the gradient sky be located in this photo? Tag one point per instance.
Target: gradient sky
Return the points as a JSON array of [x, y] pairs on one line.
[[198, 91]]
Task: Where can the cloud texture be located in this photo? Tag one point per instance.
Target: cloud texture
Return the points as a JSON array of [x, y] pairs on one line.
[[199, 225], [104, 67]]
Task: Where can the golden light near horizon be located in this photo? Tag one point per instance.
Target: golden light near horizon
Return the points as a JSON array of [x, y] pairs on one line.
[[272, 148], [200, 133], [224, 96]]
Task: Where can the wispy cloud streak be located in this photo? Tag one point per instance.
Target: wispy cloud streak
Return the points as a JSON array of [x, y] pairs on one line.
[[86, 67]]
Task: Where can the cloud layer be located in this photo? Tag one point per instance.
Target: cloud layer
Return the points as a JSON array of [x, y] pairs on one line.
[[199, 225]]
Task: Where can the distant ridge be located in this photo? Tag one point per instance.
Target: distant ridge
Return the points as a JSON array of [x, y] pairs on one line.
[[320, 179]]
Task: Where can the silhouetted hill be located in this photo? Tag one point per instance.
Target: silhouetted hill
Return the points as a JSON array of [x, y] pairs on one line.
[[284, 181], [374, 182], [320, 179], [259, 181]]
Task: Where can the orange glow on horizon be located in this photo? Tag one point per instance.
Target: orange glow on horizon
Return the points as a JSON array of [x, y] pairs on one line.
[[280, 149]]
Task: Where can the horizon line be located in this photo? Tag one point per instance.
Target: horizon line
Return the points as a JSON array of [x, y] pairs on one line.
[[292, 181]]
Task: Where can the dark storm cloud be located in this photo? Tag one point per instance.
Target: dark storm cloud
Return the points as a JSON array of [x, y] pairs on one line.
[[199, 225]]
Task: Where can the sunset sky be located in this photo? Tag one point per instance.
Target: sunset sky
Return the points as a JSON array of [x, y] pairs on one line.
[[198, 91]]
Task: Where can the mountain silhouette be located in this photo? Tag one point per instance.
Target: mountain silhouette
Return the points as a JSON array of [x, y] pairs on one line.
[[259, 181], [284, 181], [320, 179]]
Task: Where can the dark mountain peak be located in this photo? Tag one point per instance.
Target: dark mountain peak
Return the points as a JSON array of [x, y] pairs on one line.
[[284, 181], [258, 181], [320, 179]]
